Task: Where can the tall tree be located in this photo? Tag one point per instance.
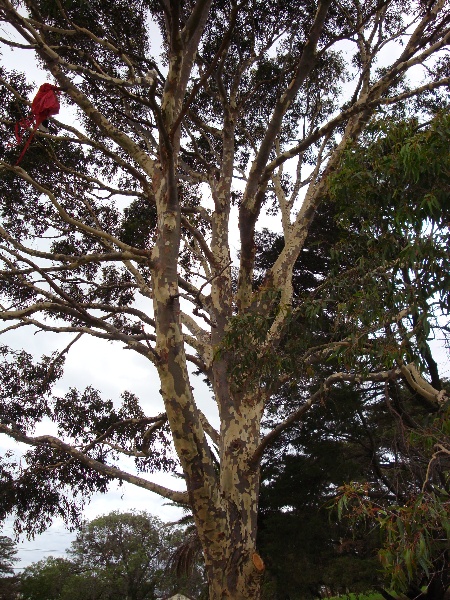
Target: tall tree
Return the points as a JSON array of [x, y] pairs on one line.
[[408, 489], [245, 109], [126, 549], [9, 583], [385, 436], [8, 557], [119, 555]]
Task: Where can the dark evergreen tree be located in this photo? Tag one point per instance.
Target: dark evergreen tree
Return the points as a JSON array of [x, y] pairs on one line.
[[9, 582], [8, 557], [387, 438]]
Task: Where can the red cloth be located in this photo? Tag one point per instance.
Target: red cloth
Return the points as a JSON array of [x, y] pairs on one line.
[[44, 105]]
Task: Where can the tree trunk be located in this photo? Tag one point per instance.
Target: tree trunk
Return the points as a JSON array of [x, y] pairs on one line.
[[236, 574], [240, 579], [234, 568], [228, 533]]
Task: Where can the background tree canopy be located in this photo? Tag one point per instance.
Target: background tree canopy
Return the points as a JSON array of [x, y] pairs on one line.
[[9, 583], [119, 555], [378, 437], [142, 223]]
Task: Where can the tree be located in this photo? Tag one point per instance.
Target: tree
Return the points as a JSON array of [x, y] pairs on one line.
[[385, 457], [119, 555], [248, 112], [46, 579], [389, 441], [8, 581], [126, 550], [404, 163], [8, 553], [130, 552], [305, 546]]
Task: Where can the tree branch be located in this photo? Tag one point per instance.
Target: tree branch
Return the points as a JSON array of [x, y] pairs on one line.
[[271, 437], [113, 472]]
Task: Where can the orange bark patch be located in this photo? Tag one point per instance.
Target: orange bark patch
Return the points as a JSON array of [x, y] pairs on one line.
[[258, 562]]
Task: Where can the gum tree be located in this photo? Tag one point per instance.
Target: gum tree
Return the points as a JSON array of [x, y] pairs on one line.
[[236, 116]]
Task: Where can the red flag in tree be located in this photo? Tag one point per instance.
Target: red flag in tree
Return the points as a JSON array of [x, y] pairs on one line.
[[44, 105]]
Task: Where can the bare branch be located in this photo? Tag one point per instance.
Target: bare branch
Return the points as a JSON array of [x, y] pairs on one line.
[[321, 393]]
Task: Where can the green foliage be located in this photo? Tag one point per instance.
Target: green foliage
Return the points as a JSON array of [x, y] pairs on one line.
[[138, 224], [9, 583], [396, 164], [416, 534], [47, 579], [384, 252], [124, 550], [243, 345], [8, 553], [391, 195], [116, 556], [392, 192]]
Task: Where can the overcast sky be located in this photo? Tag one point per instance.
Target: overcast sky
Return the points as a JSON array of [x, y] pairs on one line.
[[105, 366], [112, 370]]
